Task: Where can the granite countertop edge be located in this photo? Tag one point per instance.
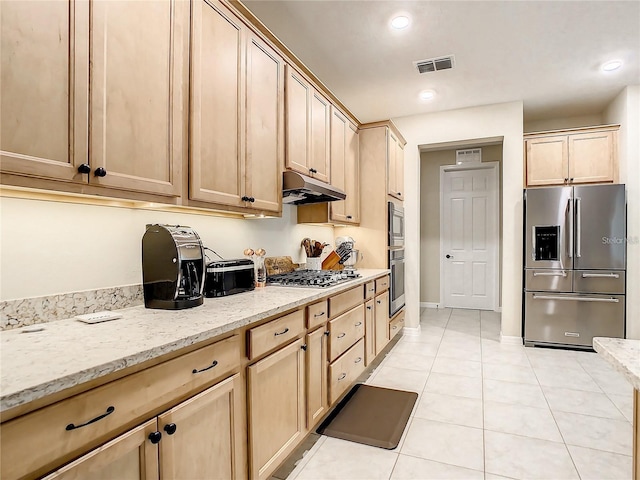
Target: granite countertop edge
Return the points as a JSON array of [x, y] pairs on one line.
[[623, 355], [67, 353]]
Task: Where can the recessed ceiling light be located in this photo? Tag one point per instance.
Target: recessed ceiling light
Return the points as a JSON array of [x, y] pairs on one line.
[[612, 65], [400, 22], [427, 94]]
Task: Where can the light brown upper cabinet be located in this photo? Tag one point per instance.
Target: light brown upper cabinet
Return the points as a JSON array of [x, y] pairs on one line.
[[308, 116], [131, 56], [586, 155], [395, 166], [44, 90], [345, 168], [237, 113]]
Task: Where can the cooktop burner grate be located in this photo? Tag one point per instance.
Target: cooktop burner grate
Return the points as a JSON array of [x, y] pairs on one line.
[[312, 278]]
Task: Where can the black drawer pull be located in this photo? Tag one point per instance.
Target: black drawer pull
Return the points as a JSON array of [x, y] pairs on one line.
[[170, 428], [109, 411], [319, 314], [304, 347], [215, 362], [282, 332], [342, 376], [358, 324], [327, 333], [358, 360], [341, 335], [155, 437], [369, 307], [378, 302]]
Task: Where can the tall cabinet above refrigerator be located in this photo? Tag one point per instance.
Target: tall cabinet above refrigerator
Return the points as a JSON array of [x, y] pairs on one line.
[[575, 264]]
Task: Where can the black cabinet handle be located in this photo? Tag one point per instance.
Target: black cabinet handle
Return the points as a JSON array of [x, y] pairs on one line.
[[349, 217], [304, 347], [342, 376], [571, 179], [358, 324], [170, 428], [327, 333], [84, 168], [245, 198], [313, 170], [399, 194], [318, 314], [195, 370], [282, 332], [341, 335], [378, 302], [449, 256], [109, 411], [100, 172], [566, 179], [369, 307], [155, 437], [251, 199], [358, 360]]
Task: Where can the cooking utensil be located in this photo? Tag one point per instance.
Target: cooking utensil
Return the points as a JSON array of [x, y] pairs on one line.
[[306, 243]]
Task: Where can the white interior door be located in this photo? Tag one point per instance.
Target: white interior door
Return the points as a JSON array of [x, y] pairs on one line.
[[469, 236]]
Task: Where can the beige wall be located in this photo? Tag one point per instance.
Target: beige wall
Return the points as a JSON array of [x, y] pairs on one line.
[[625, 110], [48, 248], [503, 121], [430, 163], [563, 122]]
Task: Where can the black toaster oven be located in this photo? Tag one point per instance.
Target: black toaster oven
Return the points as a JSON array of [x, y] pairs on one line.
[[226, 277]]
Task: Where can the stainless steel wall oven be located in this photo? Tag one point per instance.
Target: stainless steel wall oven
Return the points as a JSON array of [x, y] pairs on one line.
[[396, 293]]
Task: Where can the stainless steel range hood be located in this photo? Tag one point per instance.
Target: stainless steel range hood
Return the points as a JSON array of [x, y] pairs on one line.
[[298, 189]]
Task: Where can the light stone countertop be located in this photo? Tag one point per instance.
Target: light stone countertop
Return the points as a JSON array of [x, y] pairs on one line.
[[623, 354], [68, 352]]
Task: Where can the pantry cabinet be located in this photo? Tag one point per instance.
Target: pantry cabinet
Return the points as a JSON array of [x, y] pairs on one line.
[[308, 115], [276, 408], [587, 155], [395, 166], [237, 113], [96, 96]]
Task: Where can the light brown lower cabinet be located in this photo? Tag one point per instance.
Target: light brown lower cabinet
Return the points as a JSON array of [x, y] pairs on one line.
[[276, 408], [316, 376], [199, 438], [345, 370], [381, 307], [369, 332]]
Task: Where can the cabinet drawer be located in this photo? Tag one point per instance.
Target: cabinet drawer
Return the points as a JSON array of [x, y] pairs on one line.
[[369, 290], [317, 314], [345, 370], [396, 325], [275, 333], [59, 432], [345, 301], [345, 330], [598, 281], [382, 284]]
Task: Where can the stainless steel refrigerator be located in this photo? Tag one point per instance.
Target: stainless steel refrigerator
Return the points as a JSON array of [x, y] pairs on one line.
[[575, 264]]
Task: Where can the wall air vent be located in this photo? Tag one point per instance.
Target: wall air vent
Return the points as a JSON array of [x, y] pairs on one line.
[[434, 64], [472, 155]]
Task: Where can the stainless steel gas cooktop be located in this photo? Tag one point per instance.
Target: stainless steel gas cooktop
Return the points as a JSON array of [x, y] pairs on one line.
[[312, 278]]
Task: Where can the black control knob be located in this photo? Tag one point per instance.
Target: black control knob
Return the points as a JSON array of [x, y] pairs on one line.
[[84, 168], [100, 172], [170, 428], [155, 437]]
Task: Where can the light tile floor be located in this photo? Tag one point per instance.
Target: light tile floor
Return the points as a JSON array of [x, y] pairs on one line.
[[490, 411]]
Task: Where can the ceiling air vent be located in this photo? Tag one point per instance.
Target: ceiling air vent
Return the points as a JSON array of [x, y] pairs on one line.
[[472, 155], [434, 64]]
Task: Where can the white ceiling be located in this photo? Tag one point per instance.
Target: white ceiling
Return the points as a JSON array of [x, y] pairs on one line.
[[545, 53]]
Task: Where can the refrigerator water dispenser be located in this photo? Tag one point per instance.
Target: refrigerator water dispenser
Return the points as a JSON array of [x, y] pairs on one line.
[[546, 243]]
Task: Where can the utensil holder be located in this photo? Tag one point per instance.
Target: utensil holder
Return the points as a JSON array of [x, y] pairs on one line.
[[314, 263]]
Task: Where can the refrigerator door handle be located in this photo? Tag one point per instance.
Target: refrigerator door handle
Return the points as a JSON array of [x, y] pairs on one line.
[[579, 299], [549, 274], [533, 242], [570, 206], [578, 228], [600, 275]]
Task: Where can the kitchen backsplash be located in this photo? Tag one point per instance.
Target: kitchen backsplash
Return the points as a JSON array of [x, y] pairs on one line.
[[31, 311]]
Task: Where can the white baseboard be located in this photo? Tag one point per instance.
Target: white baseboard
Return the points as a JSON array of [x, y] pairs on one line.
[[412, 331], [429, 305], [510, 340]]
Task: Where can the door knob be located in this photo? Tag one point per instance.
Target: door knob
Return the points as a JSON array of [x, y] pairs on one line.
[[449, 256]]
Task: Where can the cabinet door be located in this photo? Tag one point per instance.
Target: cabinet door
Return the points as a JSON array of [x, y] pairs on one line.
[[203, 437], [43, 89], [320, 155], [352, 174], [591, 157], [382, 321], [130, 456], [217, 91], [369, 332], [399, 169], [317, 395], [338, 150], [392, 148], [298, 100], [264, 157], [276, 408], [547, 161], [138, 76]]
